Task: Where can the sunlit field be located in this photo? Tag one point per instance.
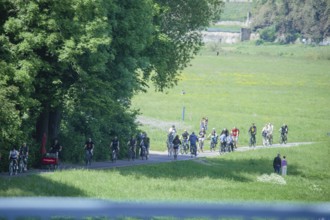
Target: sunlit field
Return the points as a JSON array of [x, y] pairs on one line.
[[244, 84]]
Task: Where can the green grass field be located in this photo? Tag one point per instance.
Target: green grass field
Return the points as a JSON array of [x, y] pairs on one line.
[[236, 11], [244, 84]]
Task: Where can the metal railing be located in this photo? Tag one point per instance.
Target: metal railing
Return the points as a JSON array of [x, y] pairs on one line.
[[80, 208]]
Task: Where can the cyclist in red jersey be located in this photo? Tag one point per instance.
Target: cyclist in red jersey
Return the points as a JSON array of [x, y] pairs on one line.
[[235, 135]]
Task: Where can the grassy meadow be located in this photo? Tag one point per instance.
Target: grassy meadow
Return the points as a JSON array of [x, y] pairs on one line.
[[244, 84]]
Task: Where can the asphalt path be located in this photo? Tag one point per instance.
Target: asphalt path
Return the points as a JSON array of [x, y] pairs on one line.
[[154, 158]]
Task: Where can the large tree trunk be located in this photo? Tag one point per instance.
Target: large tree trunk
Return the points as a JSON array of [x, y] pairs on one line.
[[54, 123], [48, 123], [42, 124]]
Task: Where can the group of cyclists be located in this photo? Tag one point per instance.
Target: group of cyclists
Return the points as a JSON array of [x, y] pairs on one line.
[[267, 134], [195, 143], [228, 139], [138, 146], [18, 159]]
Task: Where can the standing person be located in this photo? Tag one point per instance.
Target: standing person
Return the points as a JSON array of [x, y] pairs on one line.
[[253, 132], [24, 152], [277, 163], [89, 147], [114, 146], [284, 166], [214, 139], [235, 135]]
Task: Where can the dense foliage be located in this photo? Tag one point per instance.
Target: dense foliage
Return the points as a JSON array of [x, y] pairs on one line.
[[307, 19], [69, 68]]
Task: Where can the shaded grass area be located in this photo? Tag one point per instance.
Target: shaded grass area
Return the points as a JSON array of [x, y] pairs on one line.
[[232, 177]]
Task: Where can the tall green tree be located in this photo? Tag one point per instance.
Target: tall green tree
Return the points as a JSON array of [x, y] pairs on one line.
[[74, 65]]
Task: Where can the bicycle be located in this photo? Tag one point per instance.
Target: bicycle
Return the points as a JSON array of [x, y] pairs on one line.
[[283, 138], [193, 150], [144, 152], [223, 147], [252, 142], [114, 155], [176, 151], [88, 157], [185, 146], [12, 167], [21, 164], [131, 153], [270, 139], [201, 144], [213, 144]]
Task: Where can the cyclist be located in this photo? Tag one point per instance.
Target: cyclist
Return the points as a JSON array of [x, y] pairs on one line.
[[193, 140], [202, 124], [176, 143], [225, 132], [264, 134], [222, 142], [284, 132], [214, 139], [114, 145], [131, 147], [170, 138], [56, 147], [185, 137], [89, 147], [230, 143], [13, 156], [172, 130], [270, 130], [253, 132], [235, 134], [146, 143], [206, 123], [24, 153], [201, 138]]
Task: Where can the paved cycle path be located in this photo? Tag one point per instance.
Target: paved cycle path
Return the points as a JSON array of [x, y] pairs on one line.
[[154, 158]]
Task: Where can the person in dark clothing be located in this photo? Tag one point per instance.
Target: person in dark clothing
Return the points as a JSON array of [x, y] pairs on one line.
[[56, 148], [176, 144], [277, 164], [24, 153], [89, 145]]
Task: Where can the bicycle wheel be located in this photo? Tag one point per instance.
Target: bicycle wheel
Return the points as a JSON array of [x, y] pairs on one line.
[[11, 168], [21, 166]]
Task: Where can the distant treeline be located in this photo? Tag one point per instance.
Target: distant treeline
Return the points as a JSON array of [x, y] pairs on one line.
[[285, 21]]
